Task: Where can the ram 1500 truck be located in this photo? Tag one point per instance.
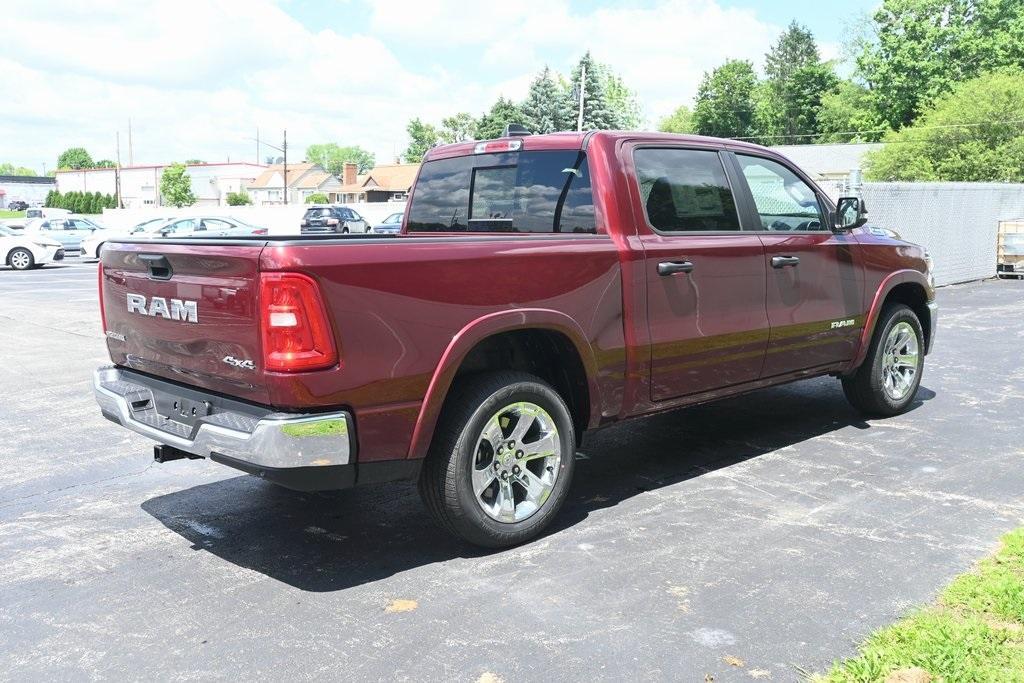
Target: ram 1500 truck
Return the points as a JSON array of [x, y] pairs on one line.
[[541, 286]]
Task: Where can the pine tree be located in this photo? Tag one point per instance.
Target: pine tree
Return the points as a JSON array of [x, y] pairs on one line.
[[796, 80], [544, 107]]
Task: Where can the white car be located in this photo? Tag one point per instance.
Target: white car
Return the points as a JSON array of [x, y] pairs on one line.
[[21, 251], [91, 244]]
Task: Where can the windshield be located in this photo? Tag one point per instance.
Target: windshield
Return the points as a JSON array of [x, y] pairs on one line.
[[145, 226]]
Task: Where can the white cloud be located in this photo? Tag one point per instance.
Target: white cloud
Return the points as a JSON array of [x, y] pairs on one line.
[[198, 77]]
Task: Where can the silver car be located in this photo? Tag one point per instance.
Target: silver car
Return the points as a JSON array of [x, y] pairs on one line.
[[198, 226], [69, 230]]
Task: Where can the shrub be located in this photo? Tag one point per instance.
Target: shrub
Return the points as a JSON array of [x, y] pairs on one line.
[[239, 199], [318, 198]]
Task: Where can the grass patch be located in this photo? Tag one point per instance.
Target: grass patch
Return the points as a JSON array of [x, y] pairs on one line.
[[324, 428], [975, 632], [4, 213]]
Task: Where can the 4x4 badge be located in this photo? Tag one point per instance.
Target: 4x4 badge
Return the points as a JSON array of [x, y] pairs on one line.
[[239, 363]]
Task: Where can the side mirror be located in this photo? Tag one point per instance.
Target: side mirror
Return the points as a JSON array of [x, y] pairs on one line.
[[850, 213]]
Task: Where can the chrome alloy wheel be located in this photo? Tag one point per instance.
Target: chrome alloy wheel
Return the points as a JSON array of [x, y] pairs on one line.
[[900, 361], [21, 259], [516, 463]]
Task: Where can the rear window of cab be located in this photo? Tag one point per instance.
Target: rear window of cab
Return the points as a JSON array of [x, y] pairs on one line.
[[509, 192]]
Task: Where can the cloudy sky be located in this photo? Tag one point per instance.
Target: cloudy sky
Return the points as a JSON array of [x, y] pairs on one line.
[[198, 77]]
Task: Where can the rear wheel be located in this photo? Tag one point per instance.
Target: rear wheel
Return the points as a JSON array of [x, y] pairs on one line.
[[501, 461], [887, 380], [21, 259]]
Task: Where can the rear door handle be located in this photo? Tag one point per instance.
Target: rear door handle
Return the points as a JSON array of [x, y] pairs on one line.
[[785, 261], [673, 267]]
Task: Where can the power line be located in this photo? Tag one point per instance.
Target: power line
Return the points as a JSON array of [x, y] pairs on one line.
[[882, 130]]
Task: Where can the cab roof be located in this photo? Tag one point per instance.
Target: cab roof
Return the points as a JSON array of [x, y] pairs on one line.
[[579, 140]]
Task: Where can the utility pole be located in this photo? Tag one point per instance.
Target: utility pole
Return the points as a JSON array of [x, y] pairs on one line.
[[257, 146], [583, 87], [285, 150], [131, 154], [117, 173]]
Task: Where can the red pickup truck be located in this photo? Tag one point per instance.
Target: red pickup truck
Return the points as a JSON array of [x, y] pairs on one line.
[[541, 286]]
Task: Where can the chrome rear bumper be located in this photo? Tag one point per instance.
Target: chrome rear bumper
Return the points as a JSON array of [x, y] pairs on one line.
[[251, 437]]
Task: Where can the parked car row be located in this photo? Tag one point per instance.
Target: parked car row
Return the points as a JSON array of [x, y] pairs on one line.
[[69, 233], [324, 218]]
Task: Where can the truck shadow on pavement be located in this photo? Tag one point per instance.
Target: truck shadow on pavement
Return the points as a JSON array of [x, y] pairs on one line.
[[331, 541]]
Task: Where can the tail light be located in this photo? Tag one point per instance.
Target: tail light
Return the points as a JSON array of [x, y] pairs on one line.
[[332, 221], [99, 288], [294, 325]]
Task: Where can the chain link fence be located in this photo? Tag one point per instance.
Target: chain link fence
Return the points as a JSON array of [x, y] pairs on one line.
[[957, 222]]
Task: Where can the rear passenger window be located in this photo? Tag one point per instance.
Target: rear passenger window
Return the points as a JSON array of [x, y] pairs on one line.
[[542, 191], [685, 190]]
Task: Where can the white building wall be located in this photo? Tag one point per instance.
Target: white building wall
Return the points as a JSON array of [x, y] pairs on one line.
[[32, 193], [140, 185]]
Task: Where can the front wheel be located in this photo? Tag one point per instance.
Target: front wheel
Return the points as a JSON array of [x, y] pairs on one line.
[[21, 259], [887, 380], [502, 458]]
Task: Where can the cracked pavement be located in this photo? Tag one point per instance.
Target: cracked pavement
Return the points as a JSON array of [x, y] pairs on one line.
[[775, 529]]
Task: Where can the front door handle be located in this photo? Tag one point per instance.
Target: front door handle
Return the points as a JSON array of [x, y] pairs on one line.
[[785, 261], [673, 267]]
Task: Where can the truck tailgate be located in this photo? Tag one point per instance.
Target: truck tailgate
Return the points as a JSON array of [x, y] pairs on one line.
[[186, 313]]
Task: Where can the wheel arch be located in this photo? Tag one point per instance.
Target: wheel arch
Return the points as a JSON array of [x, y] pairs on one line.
[[512, 340], [908, 287]]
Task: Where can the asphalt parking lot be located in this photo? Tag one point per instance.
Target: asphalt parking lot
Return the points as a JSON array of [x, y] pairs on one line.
[[777, 528]]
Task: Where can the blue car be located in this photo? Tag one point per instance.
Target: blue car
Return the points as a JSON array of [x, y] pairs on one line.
[[389, 226]]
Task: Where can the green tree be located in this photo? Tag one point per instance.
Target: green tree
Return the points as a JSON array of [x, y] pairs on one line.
[[333, 157], [725, 101], [790, 98], [679, 121], [97, 202], [972, 134], [598, 113], [105, 163], [922, 48], [622, 101], [193, 162], [544, 109], [176, 186], [503, 112], [318, 198], [422, 136], [74, 157], [458, 128], [848, 109], [11, 169], [239, 199]]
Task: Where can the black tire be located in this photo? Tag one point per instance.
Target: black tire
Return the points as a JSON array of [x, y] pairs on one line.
[[446, 479], [21, 259], [344, 230], [865, 388]]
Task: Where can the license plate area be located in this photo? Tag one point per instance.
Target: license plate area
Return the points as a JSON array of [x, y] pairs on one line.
[[182, 410]]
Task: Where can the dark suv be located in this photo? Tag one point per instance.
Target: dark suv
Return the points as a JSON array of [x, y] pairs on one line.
[[319, 219]]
